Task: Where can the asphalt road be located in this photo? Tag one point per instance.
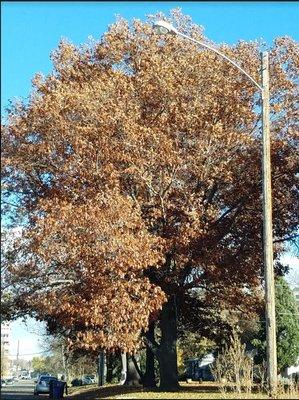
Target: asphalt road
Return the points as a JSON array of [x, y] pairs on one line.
[[21, 390]]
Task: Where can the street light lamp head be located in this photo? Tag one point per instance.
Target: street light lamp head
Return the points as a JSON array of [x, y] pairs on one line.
[[163, 28]]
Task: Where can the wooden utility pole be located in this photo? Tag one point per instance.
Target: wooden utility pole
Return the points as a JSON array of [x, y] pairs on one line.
[[267, 234], [164, 27]]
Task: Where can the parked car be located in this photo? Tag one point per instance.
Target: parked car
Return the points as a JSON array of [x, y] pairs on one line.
[[36, 377], [10, 381], [91, 377], [76, 382], [43, 384], [3, 382], [86, 380]]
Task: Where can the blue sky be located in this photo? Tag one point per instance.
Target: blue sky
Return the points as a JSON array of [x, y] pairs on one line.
[[31, 337], [31, 30]]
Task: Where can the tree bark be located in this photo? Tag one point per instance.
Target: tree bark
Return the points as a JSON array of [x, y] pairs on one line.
[[167, 353], [109, 368], [102, 368], [149, 380], [124, 368]]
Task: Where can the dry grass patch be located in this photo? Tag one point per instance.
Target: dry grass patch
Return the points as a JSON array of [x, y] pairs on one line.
[[207, 390]]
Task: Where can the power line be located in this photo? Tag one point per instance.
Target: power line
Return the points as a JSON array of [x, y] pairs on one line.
[[31, 354]]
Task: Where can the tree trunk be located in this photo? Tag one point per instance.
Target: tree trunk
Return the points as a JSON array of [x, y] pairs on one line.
[[149, 380], [133, 378], [167, 354], [102, 368], [123, 377], [109, 368]]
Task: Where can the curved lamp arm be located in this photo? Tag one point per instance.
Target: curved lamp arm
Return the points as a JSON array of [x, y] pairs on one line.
[[165, 27]]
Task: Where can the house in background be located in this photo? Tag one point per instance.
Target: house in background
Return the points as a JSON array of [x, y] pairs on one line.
[[6, 337], [199, 368], [296, 294], [294, 369], [5, 348]]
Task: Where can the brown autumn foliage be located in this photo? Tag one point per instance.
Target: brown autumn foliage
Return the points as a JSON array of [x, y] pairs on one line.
[[137, 165]]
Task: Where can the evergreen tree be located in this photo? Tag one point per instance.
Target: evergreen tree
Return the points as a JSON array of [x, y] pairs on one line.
[[287, 328]]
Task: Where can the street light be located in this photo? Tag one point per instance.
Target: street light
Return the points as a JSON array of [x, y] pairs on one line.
[[163, 27]]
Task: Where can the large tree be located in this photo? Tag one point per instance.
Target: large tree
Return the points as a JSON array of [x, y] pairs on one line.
[[135, 170]]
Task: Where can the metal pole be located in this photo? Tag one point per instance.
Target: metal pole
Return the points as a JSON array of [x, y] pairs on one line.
[[267, 234], [17, 366], [64, 364]]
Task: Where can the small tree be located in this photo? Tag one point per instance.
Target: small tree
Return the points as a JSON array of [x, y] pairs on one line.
[[233, 366], [192, 345], [39, 364]]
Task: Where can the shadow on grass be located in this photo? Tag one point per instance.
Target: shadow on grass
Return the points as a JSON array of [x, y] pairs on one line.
[[117, 390], [105, 392], [187, 391]]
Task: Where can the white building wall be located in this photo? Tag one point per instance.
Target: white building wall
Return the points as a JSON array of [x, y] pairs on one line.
[[6, 337], [296, 294]]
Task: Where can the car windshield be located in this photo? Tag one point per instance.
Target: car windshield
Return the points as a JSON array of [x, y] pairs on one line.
[[47, 378]]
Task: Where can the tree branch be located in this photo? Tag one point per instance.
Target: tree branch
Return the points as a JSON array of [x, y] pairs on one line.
[[151, 344], [137, 368], [286, 238]]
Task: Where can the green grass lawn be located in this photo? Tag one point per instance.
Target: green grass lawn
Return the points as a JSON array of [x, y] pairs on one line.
[[188, 391]]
